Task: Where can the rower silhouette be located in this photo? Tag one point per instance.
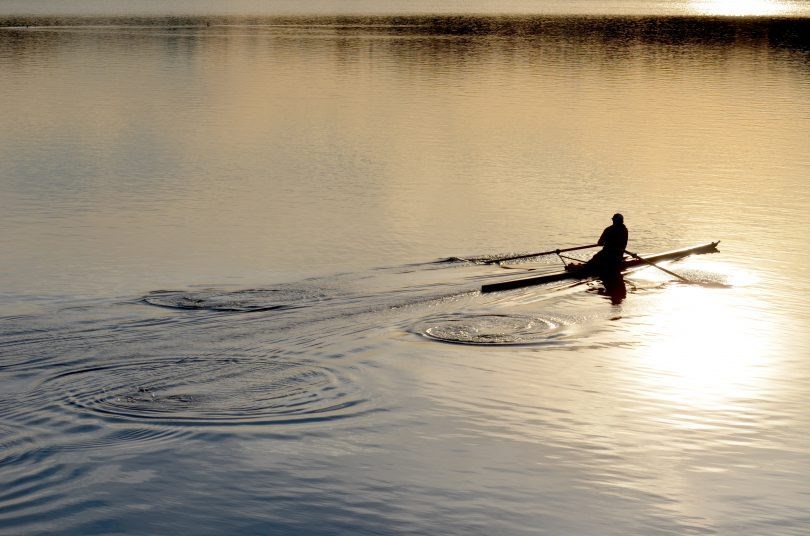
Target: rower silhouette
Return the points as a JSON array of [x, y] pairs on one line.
[[613, 241]]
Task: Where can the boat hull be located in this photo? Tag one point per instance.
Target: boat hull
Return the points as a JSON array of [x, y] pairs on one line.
[[628, 264]]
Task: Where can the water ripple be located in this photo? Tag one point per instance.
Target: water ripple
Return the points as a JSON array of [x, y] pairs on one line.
[[495, 329], [201, 391], [238, 300], [14, 446], [34, 496]]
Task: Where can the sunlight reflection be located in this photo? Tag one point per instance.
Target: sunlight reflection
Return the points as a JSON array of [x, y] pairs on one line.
[[706, 350], [741, 7], [700, 271]]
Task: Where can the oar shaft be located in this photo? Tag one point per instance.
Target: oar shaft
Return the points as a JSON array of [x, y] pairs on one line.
[[637, 256], [528, 255]]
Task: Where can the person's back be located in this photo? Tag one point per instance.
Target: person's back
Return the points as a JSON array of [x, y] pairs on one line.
[[614, 239], [613, 242]]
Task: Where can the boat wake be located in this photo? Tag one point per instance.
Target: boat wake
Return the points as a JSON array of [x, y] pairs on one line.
[[490, 259]]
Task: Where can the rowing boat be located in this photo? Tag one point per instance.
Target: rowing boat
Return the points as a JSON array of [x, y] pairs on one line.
[[583, 272]]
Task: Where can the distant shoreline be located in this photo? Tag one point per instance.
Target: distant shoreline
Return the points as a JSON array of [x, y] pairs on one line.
[[788, 32]]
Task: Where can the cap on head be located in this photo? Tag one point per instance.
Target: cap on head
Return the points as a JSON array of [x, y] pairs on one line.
[[618, 218]]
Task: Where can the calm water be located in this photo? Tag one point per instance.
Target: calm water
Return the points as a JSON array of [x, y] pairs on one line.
[[225, 306]]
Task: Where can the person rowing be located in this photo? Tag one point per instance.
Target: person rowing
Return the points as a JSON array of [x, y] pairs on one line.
[[613, 241]]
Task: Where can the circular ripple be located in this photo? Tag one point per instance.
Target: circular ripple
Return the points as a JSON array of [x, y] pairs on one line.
[[497, 330], [215, 391], [239, 300]]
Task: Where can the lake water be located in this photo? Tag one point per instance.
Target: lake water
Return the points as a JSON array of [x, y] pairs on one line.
[[229, 303]]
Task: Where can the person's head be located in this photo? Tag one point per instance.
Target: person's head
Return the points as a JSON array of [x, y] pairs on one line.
[[618, 219]]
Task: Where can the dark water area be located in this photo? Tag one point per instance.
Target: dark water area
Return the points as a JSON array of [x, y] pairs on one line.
[[775, 31], [240, 289]]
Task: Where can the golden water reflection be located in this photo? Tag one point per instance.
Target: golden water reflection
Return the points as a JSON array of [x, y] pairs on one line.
[[741, 8], [705, 351]]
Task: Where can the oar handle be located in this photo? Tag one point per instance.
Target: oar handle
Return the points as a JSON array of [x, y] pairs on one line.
[[528, 255]]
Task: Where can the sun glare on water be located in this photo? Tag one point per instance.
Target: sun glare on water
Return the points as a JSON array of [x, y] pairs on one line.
[[740, 8], [707, 352]]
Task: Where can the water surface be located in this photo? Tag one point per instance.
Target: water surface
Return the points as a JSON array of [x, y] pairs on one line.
[[228, 304]]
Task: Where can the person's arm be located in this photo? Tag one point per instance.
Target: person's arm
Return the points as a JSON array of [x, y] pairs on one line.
[[601, 241]]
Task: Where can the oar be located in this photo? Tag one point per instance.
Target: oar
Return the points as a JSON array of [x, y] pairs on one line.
[[636, 256], [493, 261]]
